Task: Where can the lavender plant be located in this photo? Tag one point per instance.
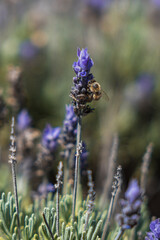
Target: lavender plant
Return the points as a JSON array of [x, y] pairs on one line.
[[54, 216], [82, 93]]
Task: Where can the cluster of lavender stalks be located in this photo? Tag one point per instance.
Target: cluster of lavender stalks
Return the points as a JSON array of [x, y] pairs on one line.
[[69, 137]]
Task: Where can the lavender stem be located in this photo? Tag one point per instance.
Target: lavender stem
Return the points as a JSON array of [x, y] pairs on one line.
[[119, 235], [66, 175], [115, 186], [87, 219], [57, 212], [145, 167], [12, 160], [77, 165], [58, 185]]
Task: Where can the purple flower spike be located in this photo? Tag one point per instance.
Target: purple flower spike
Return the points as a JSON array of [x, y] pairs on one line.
[[130, 206], [133, 191], [81, 93], [24, 120], [84, 62], [50, 137], [155, 230]]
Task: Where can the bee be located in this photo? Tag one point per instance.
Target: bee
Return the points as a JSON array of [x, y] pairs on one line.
[[81, 98], [96, 90]]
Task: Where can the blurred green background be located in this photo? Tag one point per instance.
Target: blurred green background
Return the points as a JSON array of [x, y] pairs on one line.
[[123, 39]]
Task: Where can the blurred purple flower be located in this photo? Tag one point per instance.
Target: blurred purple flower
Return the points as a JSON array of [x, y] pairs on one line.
[[50, 137], [70, 115], [28, 50], [133, 192], [140, 90], [70, 123], [145, 85], [156, 3], [130, 206], [98, 5], [155, 230], [23, 120], [44, 189]]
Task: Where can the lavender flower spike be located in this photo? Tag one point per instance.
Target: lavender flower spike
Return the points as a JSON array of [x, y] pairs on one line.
[[130, 206], [84, 63], [80, 92], [50, 137], [24, 120], [155, 230]]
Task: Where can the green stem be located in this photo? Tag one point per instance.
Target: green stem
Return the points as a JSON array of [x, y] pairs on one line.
[[57, 212], [109, 214], [12, 160], [66, 176], [87, 219], [70, 163], [16, 195], [119, 235], [77, 165]]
